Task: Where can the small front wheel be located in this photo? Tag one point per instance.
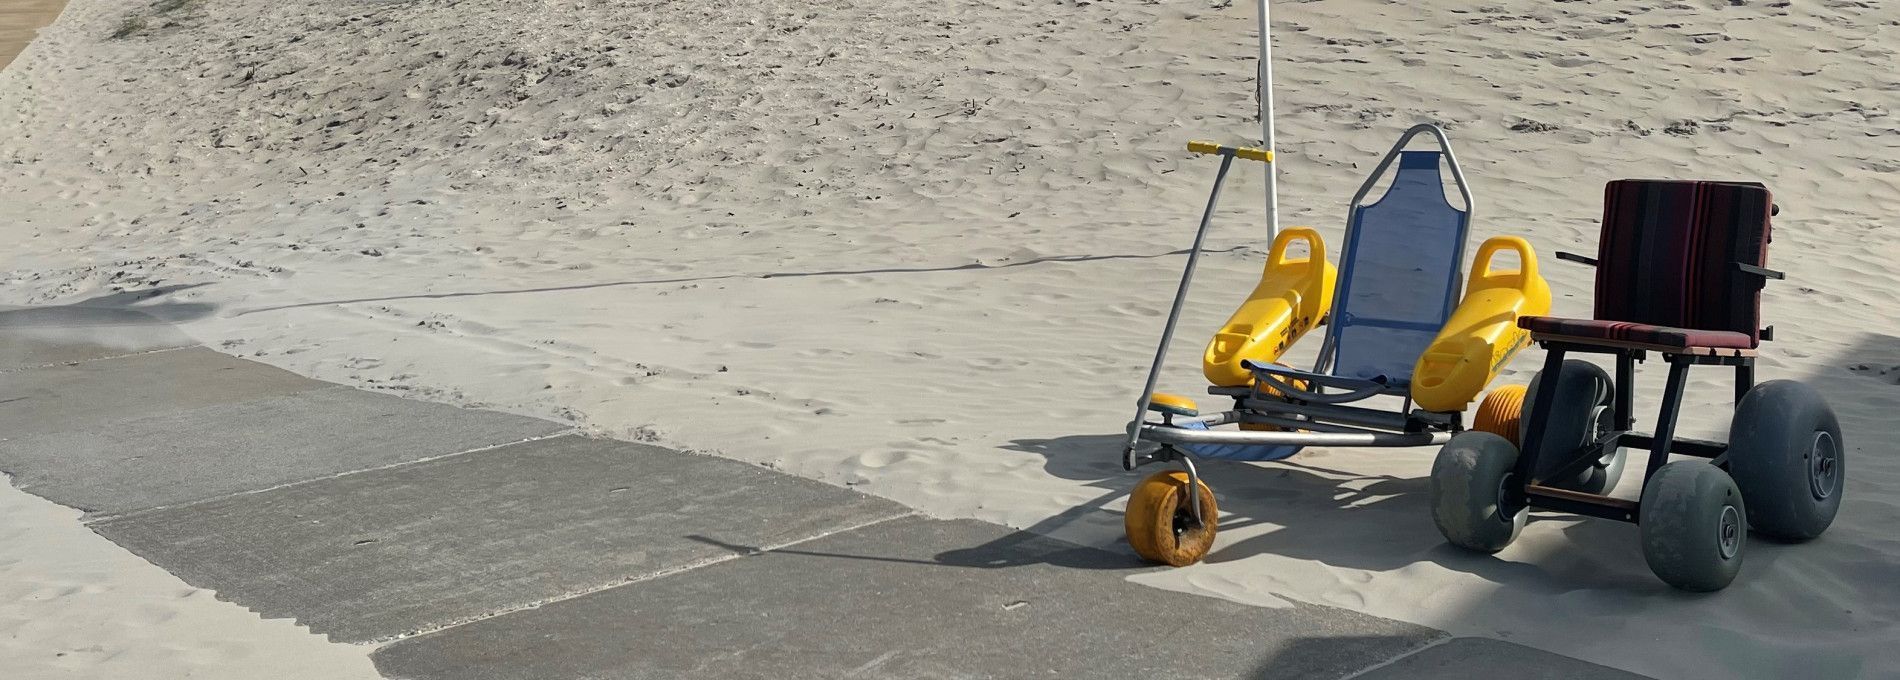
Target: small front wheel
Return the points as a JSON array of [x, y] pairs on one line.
[[1470, 480], [1694, 526], [1160, 520]]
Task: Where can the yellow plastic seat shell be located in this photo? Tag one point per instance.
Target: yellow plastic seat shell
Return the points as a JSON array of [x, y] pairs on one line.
[[1291, 298], [1175, 404], [1482, 334]]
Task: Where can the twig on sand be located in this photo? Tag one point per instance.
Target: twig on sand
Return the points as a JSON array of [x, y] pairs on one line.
[[970, 107]]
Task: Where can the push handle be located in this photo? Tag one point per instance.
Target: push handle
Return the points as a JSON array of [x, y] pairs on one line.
[[1526, 258], [1129, 461], [1579, 259], [1247, 152], [1316, 245]]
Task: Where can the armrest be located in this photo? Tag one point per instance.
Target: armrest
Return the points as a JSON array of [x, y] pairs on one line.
[[1579, 259], [1760, 271]]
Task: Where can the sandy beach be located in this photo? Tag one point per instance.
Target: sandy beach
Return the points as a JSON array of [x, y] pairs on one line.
[[923, 251], [74, 605], [20, 20]]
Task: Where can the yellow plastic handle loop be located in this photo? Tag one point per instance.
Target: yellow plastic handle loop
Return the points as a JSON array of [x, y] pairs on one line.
[[1526, 257], [1315, 245]]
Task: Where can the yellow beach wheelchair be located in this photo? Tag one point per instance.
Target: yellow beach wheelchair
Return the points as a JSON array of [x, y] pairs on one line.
[[1402, 321]]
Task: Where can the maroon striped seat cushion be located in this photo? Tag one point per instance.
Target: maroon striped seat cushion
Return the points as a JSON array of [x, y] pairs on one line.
[[1666, 265], [1622, 331]]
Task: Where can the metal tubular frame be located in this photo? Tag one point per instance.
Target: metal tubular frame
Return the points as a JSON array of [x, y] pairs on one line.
[[1327, 346], [1174, 316], [1326, 424], [1345, 415], [1161, 434]]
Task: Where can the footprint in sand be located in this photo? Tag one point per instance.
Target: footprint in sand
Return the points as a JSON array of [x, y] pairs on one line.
[[1134, 309], [879, 459]]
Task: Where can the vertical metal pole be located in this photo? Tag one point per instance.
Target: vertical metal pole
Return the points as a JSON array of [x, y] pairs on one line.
[[1744, 379], [1530, 458], [1625, 391], [1174, 315], [1666, 421], [1266, 121]]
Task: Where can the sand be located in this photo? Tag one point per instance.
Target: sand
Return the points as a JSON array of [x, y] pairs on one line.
[[73, 605], [924, 250], [19, 20]]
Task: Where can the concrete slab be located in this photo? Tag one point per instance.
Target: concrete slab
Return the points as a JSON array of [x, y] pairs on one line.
[[415, 547], [173, 458], [43, 336], [911, 598], [1465, 658], [94, 394]]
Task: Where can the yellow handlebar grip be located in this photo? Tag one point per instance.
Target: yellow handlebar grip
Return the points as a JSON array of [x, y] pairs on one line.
[[1254, 154], [1247, 152]]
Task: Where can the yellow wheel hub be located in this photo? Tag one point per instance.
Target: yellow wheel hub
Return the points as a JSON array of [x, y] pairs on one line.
[[1160, 522]]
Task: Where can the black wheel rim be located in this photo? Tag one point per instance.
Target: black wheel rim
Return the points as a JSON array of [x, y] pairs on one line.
[[1599, 429], [1729, 532], [1504, 495], [1184, 520], [1824, 465]]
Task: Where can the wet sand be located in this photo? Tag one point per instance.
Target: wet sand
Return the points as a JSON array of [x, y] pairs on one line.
[[20, 20]]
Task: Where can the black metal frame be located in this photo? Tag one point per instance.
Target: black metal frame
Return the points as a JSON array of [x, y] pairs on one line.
[[1533, 493], [1660, 444], [1256, 404]]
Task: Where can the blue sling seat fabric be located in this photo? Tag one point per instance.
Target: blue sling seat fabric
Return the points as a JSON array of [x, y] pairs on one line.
[[1399, 275], [1241, 452]]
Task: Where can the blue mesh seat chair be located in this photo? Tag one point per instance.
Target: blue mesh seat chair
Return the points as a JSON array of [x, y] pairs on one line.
[[1400, 280]]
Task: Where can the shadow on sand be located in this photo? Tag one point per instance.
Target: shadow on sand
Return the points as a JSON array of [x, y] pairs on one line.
[[975, 266], [1313, 508], [1017, 549], [121, 309], [1301, 508], [116, 323]]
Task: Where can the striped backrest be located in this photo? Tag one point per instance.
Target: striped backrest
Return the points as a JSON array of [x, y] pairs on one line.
[[1668, 251]]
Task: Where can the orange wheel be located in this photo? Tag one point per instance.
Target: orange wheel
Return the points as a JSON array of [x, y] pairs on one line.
[[1272, 391], [1500, 412], [1160, 521]]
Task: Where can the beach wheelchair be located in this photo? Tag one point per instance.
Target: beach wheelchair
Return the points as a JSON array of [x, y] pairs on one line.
[[1401, 322], [1680, 268]]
